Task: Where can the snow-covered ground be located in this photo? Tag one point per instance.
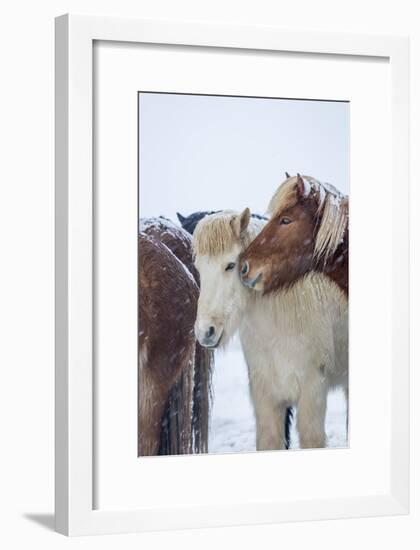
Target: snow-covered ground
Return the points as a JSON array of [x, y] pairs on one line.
[[232, 423]]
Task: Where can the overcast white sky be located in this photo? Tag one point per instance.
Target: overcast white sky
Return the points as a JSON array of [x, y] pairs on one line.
[[216, 153]]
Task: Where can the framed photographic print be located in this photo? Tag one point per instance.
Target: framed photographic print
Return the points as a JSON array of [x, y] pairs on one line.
[[231, 275]]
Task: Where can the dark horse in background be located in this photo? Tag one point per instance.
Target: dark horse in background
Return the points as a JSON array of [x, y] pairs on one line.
[[174, 381], [189, 223]]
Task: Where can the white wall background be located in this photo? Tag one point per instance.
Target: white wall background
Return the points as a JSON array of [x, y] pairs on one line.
[[217, 153], [26, 284]]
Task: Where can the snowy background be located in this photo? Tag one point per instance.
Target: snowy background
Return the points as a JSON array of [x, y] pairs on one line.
[[213, 153]]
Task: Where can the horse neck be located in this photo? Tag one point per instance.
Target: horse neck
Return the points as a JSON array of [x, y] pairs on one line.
[[245, 300], [280, 312]]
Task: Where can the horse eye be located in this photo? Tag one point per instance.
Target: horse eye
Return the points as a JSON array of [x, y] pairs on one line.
[[230, 266], [285, 221]]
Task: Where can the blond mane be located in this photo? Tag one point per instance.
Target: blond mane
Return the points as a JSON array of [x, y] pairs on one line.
[[333, 204], [214, 234]]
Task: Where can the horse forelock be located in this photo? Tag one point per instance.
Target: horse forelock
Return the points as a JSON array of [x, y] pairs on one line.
[[284, 197], [214, 234], [332, 207]]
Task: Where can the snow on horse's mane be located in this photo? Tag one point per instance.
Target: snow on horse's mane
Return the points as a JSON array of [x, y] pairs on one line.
[[171, 229], [160, 222], [332, 203]]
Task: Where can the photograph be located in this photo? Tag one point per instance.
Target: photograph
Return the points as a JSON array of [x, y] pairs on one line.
[[190, 360], [243, 294]]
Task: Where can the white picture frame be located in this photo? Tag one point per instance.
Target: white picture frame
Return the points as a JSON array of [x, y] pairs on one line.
[[75, 513]]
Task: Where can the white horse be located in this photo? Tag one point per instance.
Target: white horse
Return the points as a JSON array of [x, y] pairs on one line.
[[294, 341]]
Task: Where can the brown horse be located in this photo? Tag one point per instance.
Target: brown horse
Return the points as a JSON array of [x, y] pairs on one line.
[[308, 231], [174, 371]]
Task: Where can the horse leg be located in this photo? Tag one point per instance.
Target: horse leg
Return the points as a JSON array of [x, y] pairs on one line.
[[269, 413], [182, 407], [311, 411], [269, 416], [270, 419], [152, 401], [165, 406]]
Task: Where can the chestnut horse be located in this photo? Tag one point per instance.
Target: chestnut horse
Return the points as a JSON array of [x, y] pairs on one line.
[[294, 341], [174, 371], [308, 231]]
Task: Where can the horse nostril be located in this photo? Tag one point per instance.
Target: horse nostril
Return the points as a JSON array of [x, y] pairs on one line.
[[210, 332], [245, 268]]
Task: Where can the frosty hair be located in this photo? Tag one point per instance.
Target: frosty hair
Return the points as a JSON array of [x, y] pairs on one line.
[[333, 207], [218, 233]]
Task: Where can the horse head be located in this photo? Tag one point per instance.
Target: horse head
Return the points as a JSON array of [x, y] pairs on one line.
[[307, 219], [218, 241]]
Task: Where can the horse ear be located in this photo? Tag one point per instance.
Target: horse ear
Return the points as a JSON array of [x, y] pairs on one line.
[[287, 175], [240, 223], [181, 218], [301, 187]]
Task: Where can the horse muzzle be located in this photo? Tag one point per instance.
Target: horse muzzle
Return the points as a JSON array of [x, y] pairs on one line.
[[247, 279], [209, 336]]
